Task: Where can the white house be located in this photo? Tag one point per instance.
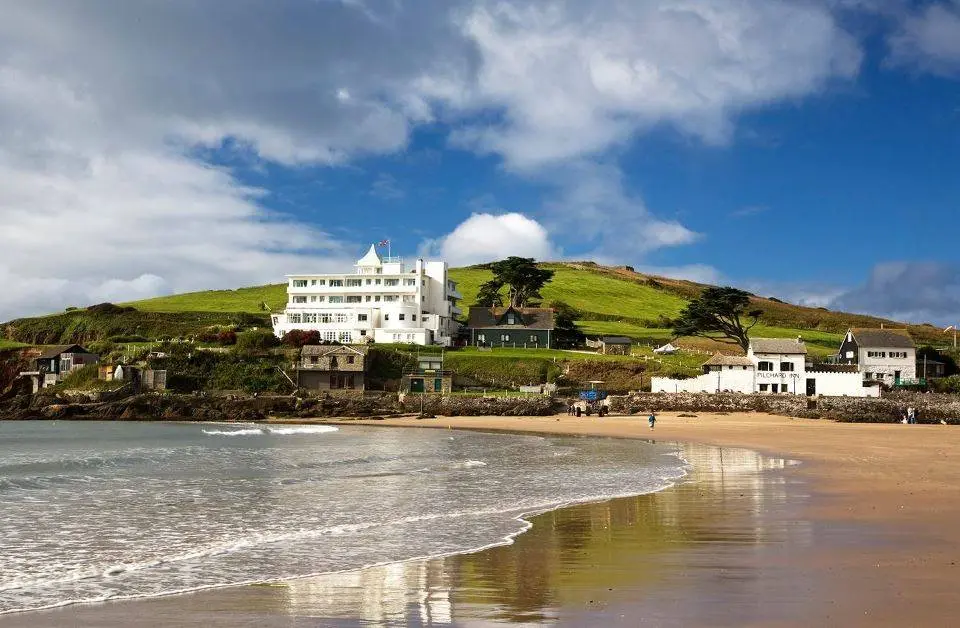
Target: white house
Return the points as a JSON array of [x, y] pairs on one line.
[[381, 301], [882, 355], [771, 366]]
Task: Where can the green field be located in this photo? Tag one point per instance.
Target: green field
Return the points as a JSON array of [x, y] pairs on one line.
[[9, 344], [611, 301]]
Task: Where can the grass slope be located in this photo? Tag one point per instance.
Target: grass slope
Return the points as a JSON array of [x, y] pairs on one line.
[[612, 300]]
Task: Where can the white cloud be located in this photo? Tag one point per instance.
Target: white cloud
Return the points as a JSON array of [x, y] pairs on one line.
[[489, 237], [907, 291], [574, 78], [103, 106], [929, 38]]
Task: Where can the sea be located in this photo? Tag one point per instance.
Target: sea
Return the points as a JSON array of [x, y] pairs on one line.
[[92, 511]]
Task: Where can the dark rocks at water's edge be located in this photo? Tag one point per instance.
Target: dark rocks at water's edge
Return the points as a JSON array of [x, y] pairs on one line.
[[930, 408], [173, 407]]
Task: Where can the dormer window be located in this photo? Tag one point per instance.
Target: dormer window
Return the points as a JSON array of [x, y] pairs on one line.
[[511, 319]]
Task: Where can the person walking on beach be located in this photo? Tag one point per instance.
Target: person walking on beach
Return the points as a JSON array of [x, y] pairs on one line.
[[911, 415], [652, 419]]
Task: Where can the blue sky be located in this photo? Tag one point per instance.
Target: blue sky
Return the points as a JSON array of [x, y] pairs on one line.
[[804, 149]]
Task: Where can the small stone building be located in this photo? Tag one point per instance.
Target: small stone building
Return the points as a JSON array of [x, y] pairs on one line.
[[332, 367], [428, 376], [612, 345]]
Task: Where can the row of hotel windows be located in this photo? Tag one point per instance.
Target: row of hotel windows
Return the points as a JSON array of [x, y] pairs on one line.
[[338, 317], [388, 298], [885, 354], [353, 283], [768, 366]]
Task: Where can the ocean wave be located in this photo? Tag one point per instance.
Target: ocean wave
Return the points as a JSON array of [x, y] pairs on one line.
[[278, 431]]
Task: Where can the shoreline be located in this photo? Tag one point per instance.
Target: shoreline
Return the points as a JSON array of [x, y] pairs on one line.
[[886, 549]]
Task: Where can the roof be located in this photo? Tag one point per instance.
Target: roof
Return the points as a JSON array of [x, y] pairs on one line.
[[372, 258], [53, 352], [719, 359], [318, 350], [896, 338], [616, 340], [778, 345], [531, 317]]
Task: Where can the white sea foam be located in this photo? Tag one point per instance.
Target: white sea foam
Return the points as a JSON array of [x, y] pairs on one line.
[[272, 430], [469, 464]]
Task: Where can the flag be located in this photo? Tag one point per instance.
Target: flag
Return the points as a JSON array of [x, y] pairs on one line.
[[383, 243]]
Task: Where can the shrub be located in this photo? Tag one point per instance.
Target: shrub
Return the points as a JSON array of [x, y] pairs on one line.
[[298, 338], [227, 337], [81, 378], [256, 341]]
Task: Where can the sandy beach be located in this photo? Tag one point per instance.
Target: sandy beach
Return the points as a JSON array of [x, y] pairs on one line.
[[860, 533]]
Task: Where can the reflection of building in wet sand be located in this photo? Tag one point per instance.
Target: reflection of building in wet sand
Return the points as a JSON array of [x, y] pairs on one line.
[[415, 593]]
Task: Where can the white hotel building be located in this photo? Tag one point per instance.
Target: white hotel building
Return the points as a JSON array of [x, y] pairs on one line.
[[382, 301]]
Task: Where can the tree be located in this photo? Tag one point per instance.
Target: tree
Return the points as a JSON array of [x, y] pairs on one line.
[[566, 332], [522, 278], [256, 341], [716, 314]]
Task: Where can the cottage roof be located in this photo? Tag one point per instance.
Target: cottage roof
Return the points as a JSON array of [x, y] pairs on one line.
[[52, 352], [896, 338], [372, 258], [616, 340], [321, 350], [778, 345], [719, 359], [530, 317]]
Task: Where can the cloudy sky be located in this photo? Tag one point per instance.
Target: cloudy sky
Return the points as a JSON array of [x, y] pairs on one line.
[[805, 149]]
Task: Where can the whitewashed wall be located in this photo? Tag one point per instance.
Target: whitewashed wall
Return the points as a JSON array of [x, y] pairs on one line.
[[734, 381]]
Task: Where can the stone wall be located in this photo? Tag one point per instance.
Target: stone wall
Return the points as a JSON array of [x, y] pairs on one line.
[[930, 408]]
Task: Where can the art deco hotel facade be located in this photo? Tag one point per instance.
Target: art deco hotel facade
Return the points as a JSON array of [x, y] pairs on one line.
[[382, 301]]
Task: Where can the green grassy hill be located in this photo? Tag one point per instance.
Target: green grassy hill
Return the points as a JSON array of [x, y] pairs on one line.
[[611, 300]]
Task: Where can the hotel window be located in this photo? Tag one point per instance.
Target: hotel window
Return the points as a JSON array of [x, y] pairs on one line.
[[325, 318], [377, 298], [356, 299], [397, 337], [369, 298], [765, 366], [321, 282], [390, 298], [329, 336], [294, 318], [361, 318], [313, 282], [354, 283], [309, 318], [409, 282], [321, 299], [386, 317], [313, 299], [413, 317], [299, 299], [369, 281], [391, 282], [378, 282], [403, 317], [336, 283], [336, 299], [786, 366], [341, 318], [299, 283], [345, 336]]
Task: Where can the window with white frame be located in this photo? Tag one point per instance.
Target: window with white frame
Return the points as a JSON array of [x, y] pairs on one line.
[[391, 282], [403, 317], [313, 282], [329, 336], [336, 283], [354, 283], [390, 298], [354, 299], [325, 318], [345, 336], [293, 318], [341, 317], [299, 300], [313, 299], [309, 318], [299, 283], [336, 299], [361, 318], [504, 337], [409, 282]]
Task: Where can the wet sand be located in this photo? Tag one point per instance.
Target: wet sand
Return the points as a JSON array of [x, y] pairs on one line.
[[860, 534]]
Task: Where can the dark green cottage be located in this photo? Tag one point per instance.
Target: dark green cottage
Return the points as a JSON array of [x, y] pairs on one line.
[[528, 327]]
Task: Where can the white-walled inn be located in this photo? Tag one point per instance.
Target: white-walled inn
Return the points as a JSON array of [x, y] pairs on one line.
[[772, 366], [382, 301]]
